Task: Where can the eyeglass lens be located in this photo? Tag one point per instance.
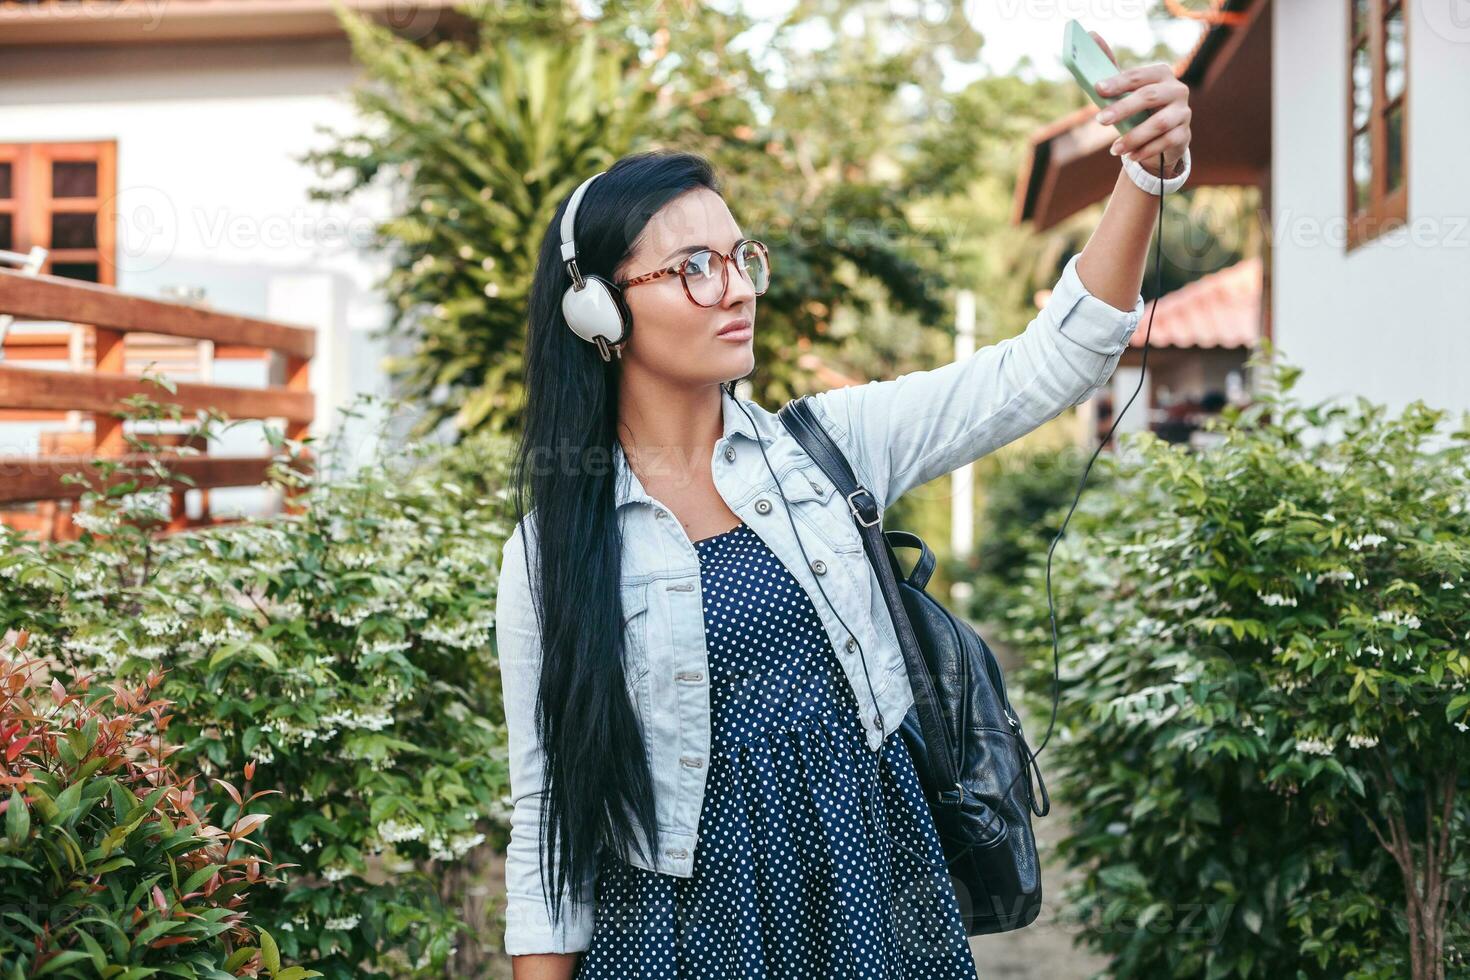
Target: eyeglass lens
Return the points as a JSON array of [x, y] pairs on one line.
[[704, 272]]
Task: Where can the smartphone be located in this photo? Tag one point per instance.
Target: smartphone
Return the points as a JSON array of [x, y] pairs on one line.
[[1090, 64]]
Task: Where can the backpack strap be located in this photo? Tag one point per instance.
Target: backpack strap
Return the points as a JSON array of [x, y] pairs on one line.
[[800, 419]]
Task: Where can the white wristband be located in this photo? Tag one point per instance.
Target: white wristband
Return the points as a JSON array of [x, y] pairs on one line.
[[1149, 184]]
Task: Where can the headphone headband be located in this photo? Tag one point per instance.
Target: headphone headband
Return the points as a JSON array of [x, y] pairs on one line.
[[592, 306], [569, 221]]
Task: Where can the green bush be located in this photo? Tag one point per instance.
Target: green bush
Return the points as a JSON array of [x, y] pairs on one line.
[[342, 651], [1027, 494], [108, 870], [1263, 725]]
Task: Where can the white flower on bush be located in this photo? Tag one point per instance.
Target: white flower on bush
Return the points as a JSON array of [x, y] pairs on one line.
[[1447, 585], [342, 923], [1314, 746], [156, 625], [1362, 741], [1140, 707], [95, 645], [288, 731], [1366, 541], [392, 831], [470, 634], [385, 646], [229, 630], [336, 872], [1337, 575], [348, 718], [443, 850], [1399, 618], [1272, 599], [91, 520]]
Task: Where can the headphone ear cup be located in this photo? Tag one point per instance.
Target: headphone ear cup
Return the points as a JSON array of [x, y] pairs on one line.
[[596, 310], [626, 314]]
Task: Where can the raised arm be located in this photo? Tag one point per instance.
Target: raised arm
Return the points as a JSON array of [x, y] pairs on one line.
[[905, 432], [528, 926]]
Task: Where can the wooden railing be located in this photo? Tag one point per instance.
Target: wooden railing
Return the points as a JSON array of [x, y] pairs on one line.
[[111, 316]]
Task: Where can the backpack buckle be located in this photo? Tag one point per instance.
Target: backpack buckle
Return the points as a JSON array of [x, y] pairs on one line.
[[858, 514]]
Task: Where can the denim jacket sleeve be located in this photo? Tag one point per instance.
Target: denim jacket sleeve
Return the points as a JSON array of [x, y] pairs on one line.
[[904, 432], [528, 926]]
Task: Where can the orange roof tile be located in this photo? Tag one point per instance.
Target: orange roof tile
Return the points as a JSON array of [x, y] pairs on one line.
[[1222, 309]]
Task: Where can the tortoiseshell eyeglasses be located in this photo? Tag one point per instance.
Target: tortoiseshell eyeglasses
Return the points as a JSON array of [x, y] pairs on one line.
[[706, 273]]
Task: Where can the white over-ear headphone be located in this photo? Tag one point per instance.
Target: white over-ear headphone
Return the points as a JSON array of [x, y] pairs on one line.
[[593, 306]]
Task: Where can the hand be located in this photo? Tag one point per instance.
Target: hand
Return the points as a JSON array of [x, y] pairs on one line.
[[1166, 131]]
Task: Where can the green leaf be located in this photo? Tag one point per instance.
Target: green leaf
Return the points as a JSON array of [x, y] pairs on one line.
[[62, 959], [94, 950], [1456, 707], [17, 819], [69, 799], [270, 954], [265, 654], [198, 878], [238, 958], [161, 928]]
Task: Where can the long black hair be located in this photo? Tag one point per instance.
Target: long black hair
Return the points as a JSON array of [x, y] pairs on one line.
[[596, 780]]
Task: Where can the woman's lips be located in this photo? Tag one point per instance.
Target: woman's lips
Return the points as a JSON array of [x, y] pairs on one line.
[[737, 331]]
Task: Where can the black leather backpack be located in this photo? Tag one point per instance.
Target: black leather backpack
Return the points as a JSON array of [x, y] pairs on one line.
[[966, 740]]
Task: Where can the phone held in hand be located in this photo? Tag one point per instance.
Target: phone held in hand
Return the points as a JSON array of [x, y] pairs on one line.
[[1090, 64]]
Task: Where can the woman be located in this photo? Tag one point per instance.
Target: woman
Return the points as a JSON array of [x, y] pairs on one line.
[[701, 681]]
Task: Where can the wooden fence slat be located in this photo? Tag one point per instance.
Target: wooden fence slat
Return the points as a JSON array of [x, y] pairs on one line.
[[43, 389], [70, 301], [27, 478]]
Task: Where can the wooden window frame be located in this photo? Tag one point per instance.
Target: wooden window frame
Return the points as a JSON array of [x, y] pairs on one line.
[[32, 205], [1385, 209]]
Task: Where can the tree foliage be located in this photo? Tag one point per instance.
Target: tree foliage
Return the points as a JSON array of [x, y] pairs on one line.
[[1265, 701]]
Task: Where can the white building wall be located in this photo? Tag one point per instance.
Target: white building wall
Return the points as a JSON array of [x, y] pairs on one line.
[[210, 193], [1390, 320]]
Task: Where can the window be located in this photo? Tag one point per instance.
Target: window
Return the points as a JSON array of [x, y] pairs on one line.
[[1378, 193], [59, 196]]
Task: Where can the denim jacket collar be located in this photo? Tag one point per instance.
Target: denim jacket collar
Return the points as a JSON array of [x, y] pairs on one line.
[[629, 488]]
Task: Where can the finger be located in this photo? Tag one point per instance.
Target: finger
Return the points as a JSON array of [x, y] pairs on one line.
[[1104, 45], [1149, 97], [1172, 145], [1170, 117], [1127, 81], [1155, 127]]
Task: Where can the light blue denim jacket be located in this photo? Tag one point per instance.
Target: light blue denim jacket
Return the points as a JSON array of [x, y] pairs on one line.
[[898, 434]]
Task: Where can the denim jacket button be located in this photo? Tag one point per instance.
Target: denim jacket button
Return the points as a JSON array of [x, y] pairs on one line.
[[763, 506], [730, 454], [852, 643], [819, 566]]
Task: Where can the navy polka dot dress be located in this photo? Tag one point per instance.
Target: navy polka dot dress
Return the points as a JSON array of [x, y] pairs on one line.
[[813, 860]]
